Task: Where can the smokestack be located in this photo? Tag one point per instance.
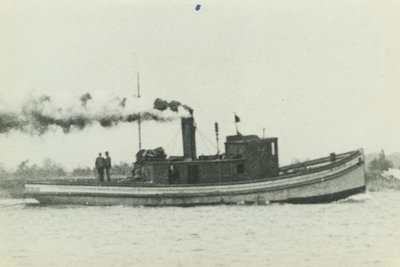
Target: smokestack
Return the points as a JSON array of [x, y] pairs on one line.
[[189, 137]]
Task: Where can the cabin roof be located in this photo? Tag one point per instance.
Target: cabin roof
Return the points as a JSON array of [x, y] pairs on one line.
[[247, 138], [201, 162]]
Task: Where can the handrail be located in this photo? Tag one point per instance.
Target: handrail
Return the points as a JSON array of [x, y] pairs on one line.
[[316, 161], [343, 160]]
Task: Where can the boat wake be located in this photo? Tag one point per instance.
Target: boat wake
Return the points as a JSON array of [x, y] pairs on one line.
[[363, 197], [6, 203]]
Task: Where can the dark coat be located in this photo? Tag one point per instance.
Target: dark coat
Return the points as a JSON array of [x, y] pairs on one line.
[[108, 162], [100, 162]]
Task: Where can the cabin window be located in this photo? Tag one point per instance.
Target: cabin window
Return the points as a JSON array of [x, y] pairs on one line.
[[273, 148], [240, 168]]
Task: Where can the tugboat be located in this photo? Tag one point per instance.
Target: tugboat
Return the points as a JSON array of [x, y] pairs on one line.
[[248, 172]]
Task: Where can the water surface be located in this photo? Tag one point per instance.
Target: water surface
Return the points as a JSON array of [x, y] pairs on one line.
[[363, 230]]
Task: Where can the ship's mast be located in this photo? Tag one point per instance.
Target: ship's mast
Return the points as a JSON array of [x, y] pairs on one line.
[[217, 136], [139, 119]]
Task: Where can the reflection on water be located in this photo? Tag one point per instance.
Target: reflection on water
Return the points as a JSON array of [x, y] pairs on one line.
[[360, 231]]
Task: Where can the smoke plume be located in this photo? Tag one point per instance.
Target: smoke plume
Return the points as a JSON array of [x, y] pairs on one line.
[[173, 105], [39, 114]]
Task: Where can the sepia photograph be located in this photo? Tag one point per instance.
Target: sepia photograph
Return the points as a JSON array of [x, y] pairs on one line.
[[200, 133]]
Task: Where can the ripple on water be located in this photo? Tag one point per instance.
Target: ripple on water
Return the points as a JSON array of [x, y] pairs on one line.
[[353, 232]]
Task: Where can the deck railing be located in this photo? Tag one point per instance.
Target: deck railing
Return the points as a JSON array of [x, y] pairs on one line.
[[290, 171]]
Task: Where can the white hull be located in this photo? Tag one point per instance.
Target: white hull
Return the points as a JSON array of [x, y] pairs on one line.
[[323, 186]]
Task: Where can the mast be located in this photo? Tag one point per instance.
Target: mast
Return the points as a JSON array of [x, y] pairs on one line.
[[217, 136], [237, 119], [139, 119]]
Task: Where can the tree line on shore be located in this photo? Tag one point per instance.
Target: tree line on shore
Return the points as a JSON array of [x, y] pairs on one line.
[[380, 164], [50, 169]]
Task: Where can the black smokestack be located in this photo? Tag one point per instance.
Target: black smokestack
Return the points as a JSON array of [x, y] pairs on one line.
[[189, 137]]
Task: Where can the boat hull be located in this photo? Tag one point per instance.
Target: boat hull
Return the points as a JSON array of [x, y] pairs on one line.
[[323, 186]]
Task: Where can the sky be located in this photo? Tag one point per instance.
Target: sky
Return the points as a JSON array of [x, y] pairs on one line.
[[322, 76]]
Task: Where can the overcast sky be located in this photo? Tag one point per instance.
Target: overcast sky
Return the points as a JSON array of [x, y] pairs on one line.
[[322, 76]]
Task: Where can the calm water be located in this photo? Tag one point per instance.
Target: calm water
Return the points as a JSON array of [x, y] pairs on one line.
[[361, 231]]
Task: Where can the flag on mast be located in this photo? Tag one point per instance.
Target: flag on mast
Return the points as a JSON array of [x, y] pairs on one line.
[[237, 119]]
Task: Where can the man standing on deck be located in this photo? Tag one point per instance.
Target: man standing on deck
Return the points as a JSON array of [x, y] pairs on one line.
[[100, 164], [108, 167]]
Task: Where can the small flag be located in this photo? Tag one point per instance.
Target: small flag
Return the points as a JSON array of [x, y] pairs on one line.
[[237, 119]]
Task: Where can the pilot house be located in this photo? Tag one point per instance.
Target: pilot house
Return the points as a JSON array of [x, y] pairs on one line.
[[246, 157]]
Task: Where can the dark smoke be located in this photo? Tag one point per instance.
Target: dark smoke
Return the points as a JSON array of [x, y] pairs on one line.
[[85, 98], [40, 114], [123, 102], [173, 105], [10, 121]]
